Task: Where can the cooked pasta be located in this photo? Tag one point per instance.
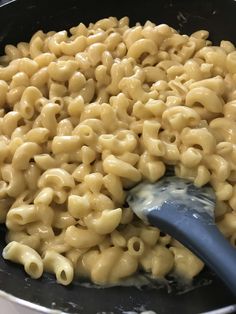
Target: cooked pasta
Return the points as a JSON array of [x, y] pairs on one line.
[[87, 114]]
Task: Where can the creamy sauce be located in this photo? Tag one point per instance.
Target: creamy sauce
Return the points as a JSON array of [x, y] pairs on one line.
[[177, 285], [137, 281], [146, 196]]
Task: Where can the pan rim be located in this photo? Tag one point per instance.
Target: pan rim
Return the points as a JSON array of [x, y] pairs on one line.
[[30, 305], [45, 310], [6, 2]]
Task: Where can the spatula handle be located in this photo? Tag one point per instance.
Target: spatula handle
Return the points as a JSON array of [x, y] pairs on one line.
[[204, 239]]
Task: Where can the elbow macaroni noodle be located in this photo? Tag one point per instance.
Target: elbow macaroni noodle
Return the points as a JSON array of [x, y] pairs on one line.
[[87, 114]]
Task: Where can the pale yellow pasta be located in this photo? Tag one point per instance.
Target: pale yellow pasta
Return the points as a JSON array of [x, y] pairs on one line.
[[60, 265], [87, 92], [82, 238], [150, 167], [29, 97], [10, 122], [76, 82], [54, 42], [3, 92], [45, 161], [14, 95], [76, 106], [56, 178], [185, 263], [23, 154], [110, 265], [206, 97], [150, 138], [6, 73], [81, 171], [127, 216], [25, 197], [73, 47], [13, 180], [32, 174], [65, 144], [200, 137], [79, 206], [104, 222], [114, 186], [26, 256], [32, 241], [39, 229], [37, 135], [149, 235], [36, 46], [63, 219], [87, 155], [62, 70], [48, 117], [158, 260], [12, 52], [117, 239], [87, 114], [94, 182], [45, 196], [135, 246], [56, 92], [43, 59], [100, 202], [223, 129], [20, 79], [203, 176], [115, 166], [27, 66], [40, 78], [4, 207]]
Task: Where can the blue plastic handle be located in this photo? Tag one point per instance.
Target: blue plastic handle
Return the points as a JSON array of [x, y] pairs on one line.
[[202, 238]]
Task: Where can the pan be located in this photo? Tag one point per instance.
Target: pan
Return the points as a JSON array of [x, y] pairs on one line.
[[18, 21]]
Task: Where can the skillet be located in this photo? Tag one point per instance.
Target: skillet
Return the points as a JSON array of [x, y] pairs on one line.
[[19, 19]]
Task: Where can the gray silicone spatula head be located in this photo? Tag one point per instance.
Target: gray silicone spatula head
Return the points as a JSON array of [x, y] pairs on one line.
[[186, 212], [146, 197]]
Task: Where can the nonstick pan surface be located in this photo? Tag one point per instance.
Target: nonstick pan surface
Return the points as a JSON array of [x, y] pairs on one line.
[[18, 21]]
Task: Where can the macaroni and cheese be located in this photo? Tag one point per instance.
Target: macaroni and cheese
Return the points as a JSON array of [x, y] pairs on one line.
[[87, 114]]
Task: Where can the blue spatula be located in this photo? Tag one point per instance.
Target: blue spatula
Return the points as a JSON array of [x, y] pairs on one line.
[[186, 212]]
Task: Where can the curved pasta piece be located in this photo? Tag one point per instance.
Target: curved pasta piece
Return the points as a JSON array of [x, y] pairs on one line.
[[15, 178], [23, 154], [56, 177], [26, 256], [113, 165], [60, 265], [82, 238], [104, 222], [73, 47], [111, 265], [229, 110], [186, 264], [218, 165], [158, 260], [206, 97], [224, 129], [142, 46], [65, 144], [178, 117], [216, 84], [201, 137], [3, 92], [6, 73], [120, 143]]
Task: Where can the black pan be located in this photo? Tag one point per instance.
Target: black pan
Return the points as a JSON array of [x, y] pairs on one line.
[[18, 21]]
